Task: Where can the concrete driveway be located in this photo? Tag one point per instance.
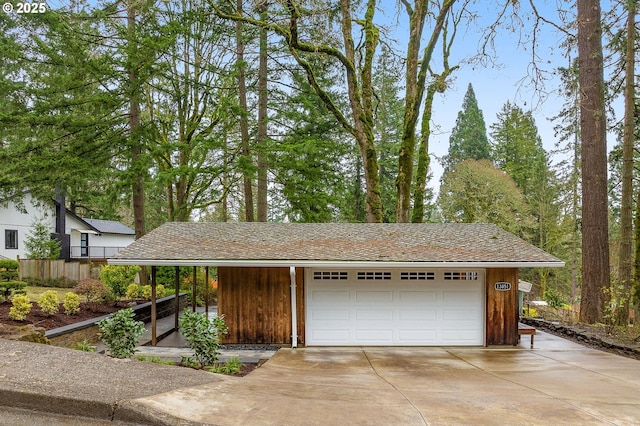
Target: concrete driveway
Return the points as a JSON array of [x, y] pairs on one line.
[[558, 382]]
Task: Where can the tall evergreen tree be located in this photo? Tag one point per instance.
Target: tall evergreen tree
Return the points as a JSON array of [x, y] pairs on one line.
[[595, 230], [468, 138]]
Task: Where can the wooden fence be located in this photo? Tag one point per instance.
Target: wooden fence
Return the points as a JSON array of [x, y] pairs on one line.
[[45, 269]]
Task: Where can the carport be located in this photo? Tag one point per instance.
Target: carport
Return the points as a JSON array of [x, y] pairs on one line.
[[354, 284]]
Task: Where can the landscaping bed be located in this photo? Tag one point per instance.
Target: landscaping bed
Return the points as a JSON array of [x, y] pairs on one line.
[[38, 318]]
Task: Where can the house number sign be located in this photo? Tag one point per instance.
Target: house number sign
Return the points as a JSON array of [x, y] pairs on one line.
[[502, 286]]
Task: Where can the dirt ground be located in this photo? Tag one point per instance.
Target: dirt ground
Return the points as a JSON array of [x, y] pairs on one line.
[[48, 322]]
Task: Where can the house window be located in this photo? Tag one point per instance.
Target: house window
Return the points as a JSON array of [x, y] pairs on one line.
[[84, 245], [374, 275], [417, 275], [11, 238], [330, 275], [468, 276]]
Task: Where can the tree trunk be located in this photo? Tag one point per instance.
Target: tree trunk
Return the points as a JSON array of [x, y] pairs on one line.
[[415, 81], [595, 239], [261, 137], [626, 211], [244, 123], [134, 132]]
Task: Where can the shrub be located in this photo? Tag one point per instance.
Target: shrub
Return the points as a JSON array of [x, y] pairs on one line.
[[49, 303], [203, 335], [61, 282], [71, 303], [233, 366], [9, 285], [133, 291], [118, 277], [84, 346], [21, 308], [120, 333], [145, 291], [91, 289]]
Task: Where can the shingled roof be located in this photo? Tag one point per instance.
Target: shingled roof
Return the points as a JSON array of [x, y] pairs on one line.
[[335, 244]]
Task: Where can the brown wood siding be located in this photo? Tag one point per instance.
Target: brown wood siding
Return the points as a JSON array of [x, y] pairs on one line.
[[502, 307], [256, 304]]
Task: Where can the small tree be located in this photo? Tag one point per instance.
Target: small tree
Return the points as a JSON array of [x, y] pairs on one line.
[[118, 278], [39, 244], [91, 289], [8, 278], [203, 335], [120, 333]]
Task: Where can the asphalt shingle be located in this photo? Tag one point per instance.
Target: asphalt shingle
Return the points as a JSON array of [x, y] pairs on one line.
[[363, 242]]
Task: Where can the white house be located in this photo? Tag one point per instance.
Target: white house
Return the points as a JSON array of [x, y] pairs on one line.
[[82, 238]]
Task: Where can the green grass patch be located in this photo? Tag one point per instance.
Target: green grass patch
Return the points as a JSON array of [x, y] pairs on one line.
[[34, 293]]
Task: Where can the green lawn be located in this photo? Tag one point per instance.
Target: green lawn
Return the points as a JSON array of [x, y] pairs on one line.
[[35, 292]]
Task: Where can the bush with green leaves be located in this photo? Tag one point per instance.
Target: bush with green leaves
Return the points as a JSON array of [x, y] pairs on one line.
[[9, 284], [145, 291], [120, 333], [232, 366], [203, 335], [118, 278], [84, 346], [21, 307], [71, 303], [48, 302], [91, 289], [133, 291]]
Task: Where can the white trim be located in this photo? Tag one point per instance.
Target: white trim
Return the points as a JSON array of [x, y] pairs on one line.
[[331, 264]]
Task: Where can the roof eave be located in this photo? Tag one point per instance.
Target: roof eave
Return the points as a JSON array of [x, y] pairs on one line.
[[332, 264]]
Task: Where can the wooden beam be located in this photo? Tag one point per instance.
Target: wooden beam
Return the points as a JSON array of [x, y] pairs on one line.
[[194, 290], [153, 307], [177, 301]]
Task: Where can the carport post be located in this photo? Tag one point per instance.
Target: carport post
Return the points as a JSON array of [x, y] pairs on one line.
[[194, 290], [177, 301], [294, 318], [153, 306]]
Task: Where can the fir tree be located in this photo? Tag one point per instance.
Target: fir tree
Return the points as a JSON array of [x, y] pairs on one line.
[[468, 138]]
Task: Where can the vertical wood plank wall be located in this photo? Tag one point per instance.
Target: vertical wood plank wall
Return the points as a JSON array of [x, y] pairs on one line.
[[502, 307], [256, 303]]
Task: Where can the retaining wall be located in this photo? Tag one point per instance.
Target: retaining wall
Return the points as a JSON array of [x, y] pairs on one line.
[[70, 335]]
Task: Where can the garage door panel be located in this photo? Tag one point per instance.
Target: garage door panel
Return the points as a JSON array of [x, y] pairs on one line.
[[331, 336], [358, 310], [363, 296], [459, 297], [417, 336], [418, 297], [330, 315], [460, 314], [330, 296], [374, 315], [417, 314], [374, 336]]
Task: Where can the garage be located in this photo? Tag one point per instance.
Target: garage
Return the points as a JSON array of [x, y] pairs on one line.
[[353, 284], [395, 307]]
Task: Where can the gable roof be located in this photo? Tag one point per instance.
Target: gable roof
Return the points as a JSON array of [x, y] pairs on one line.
[[333, 244], [109, 226]]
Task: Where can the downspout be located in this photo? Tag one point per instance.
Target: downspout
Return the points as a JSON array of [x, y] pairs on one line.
[[294, 318]]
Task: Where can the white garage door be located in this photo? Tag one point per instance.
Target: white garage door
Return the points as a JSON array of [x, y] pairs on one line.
[[394, 307]]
